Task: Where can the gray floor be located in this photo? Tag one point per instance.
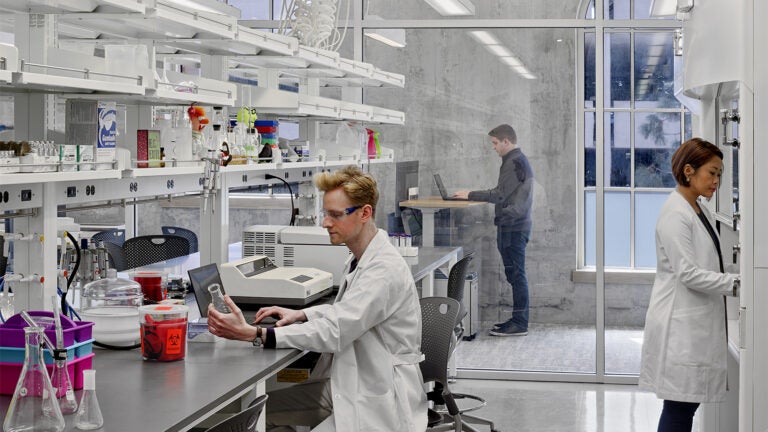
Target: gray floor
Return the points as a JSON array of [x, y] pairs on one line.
[[517, 406], [527, 406], [553, 348]]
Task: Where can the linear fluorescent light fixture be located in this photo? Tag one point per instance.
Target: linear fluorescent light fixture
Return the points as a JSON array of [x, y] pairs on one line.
[[499, 50], [665, 8], [511, 61], [392, 37], [484, 37], [190, 4], [452, 7]]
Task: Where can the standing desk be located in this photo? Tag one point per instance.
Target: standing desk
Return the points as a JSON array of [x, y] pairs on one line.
[[431, 205]]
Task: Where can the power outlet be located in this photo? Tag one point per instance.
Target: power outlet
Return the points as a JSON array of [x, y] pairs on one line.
[[71, 191], [26, 194]]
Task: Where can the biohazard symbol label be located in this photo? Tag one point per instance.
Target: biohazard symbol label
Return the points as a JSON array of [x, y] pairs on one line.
[[173, 341]]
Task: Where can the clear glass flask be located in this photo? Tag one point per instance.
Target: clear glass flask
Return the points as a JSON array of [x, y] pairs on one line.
[[217, 298], [34, 406], [88, 416]]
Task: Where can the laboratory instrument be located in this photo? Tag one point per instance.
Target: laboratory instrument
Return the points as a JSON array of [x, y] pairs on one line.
[[112, 305], [257, 280], [296, 246]]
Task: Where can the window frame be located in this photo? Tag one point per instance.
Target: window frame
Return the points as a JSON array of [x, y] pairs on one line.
[[600, 110]]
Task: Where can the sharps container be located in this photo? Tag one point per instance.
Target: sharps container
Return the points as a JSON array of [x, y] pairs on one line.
[[163, 332]]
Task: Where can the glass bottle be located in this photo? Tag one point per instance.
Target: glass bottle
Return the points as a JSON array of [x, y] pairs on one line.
[[88, 416], [34, 405]]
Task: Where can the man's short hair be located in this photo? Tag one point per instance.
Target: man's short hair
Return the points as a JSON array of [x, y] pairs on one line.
[[503, 131], [360, 187]]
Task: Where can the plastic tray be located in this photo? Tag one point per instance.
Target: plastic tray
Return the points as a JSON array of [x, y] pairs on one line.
[[16, 355], [9, 374], [12, 332]]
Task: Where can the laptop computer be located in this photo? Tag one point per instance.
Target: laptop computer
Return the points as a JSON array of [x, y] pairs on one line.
[[441, 189]]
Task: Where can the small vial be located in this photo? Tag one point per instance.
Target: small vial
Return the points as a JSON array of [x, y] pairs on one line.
[[88, 416], [217, 298]]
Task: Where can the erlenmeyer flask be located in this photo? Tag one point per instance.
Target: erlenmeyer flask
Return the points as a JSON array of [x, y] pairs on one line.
[[89, 416], [63, 385], [34, 405]]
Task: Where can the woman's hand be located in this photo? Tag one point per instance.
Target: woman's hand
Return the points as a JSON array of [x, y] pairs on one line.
[[285, 316]]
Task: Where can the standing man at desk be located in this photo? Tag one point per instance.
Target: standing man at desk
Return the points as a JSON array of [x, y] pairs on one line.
[[513, 199], [370, 336]]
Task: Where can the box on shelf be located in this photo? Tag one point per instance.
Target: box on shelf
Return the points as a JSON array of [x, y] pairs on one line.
[[148, 148], [93, 123]]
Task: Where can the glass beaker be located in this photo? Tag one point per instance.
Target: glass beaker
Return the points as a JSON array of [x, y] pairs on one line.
[[34, 405]]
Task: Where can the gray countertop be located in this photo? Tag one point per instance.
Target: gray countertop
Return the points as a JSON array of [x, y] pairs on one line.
[[138, 395]]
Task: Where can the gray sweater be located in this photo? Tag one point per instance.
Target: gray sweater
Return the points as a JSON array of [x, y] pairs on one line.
[[513, 196]]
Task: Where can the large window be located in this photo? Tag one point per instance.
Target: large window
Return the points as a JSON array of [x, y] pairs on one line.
[[643, 124]]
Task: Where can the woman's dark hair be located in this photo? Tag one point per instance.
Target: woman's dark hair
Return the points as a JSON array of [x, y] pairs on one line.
[[694, 152]]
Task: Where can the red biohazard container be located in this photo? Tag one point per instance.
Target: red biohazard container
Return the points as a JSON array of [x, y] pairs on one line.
[[163, 332]]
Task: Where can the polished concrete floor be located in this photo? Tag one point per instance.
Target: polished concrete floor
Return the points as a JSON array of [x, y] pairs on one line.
[[553, 348], [525, 406]]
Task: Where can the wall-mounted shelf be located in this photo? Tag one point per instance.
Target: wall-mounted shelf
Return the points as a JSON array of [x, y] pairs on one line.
[[164, 171], [73, 6], [46, 177], [159, 22], [69, 71], [185, 89]]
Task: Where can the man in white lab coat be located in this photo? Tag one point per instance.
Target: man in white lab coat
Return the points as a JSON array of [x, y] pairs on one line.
[[370, 336], [684, 348]]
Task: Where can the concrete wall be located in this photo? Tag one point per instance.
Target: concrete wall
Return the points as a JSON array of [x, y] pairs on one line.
[[455, 92]]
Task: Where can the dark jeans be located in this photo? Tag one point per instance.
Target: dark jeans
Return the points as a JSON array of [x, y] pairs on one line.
[[511, 246], [677, 416]]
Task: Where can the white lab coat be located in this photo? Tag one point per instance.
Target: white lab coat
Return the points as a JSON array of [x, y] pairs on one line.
[[685, 348], [373, 331]]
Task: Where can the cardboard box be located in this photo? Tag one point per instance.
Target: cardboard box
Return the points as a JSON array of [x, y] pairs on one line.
[[148, 148]]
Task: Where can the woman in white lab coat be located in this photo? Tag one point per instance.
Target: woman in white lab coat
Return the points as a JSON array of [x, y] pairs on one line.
[[371, 334], [685, 347]]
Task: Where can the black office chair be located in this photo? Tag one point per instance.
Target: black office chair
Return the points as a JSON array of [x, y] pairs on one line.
[[117, 259], [244, 421], [438, 318], [183, 232], [456, 280], [114, 236], [149, 249]]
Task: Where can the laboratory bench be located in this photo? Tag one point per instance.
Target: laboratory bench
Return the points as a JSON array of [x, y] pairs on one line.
[[138, 395], [176, 396]]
